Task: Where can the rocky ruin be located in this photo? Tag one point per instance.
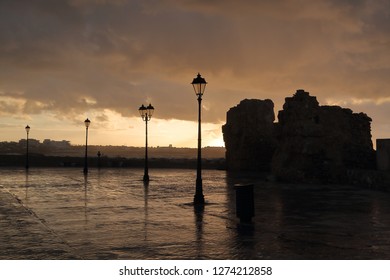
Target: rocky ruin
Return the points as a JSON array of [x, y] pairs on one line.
[[309, 143], [249, 135]]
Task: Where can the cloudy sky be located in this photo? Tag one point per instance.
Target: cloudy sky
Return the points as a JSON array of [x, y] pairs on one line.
[[65, 60]]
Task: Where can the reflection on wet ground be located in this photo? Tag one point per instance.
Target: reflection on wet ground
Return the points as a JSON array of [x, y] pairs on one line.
[[111, 214]]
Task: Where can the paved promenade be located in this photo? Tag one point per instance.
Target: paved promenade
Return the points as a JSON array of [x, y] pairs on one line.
[[25, 236], [110, 214]]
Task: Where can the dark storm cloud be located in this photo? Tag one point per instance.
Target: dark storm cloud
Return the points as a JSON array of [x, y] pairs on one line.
[[71, 56]]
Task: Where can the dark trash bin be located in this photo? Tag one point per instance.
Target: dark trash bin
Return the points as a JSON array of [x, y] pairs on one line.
[[245, 206]]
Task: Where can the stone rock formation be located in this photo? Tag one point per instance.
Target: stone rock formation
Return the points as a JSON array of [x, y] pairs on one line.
[[320, 142], [309, 143], [249, 135]]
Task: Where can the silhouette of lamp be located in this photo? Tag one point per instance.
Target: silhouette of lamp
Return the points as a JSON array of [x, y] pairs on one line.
[[27, 131], [199, 85], [99, 154], [146, 114], [87, 122]]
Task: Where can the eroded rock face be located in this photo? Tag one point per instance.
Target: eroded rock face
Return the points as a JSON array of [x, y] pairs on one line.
[[249, 135], [309, 143], [320, 142]]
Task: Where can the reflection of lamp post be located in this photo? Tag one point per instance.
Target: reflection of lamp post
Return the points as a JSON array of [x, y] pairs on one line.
[[146, 114], [199, 85], [28, 131], [85, 198], [99, 154], [87, 122]]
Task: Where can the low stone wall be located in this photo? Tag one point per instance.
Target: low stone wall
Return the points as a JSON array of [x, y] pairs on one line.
[[383, 154], [372, 179]]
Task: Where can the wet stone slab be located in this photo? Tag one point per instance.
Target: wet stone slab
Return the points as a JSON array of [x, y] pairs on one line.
[[24, 236]]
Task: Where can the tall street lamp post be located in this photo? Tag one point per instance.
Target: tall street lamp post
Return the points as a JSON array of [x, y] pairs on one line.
[[27, 131], [146, 114], [87, 122], [199, 85]]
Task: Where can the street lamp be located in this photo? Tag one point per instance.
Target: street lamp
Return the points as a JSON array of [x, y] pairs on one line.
[[87, 122], [99, 154], [146, 114], [199, 85], [27, 131]]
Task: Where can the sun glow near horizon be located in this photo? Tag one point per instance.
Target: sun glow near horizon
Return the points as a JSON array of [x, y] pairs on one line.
[[111, 128]]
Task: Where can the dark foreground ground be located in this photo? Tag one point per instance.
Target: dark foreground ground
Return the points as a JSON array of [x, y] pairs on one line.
[[111, 214], [25, 236]]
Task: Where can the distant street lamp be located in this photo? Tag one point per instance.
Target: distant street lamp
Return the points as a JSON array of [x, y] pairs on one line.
[[146, 114], [87, 122], [27, 131], [199, 85], [99, 154]]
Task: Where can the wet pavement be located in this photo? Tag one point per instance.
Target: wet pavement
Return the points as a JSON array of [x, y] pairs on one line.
[[25, 236], [111, 214]]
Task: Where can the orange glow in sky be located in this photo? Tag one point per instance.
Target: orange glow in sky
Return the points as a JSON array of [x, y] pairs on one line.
[[64, 61]]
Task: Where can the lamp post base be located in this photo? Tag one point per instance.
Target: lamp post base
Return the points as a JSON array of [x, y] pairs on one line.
[[198, 199], [85, 170]]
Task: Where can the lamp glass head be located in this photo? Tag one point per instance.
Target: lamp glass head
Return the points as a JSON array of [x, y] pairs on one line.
[[199, 84], [150, 110], [87, 122], [142, 111]]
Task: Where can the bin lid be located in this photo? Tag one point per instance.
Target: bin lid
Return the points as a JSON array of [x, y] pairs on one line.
[[241, 186]]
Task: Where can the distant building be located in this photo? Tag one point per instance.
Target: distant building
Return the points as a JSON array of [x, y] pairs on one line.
[[56, 144], [31, 142]]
